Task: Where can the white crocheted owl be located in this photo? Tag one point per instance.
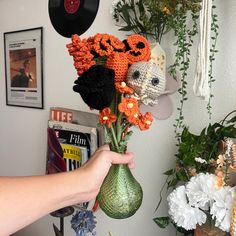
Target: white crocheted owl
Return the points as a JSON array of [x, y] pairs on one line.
[[147, 80]]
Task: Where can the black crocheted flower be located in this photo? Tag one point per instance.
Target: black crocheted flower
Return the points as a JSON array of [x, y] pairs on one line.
[[96, 86]]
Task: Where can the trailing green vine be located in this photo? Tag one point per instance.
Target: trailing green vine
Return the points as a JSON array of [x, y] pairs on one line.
[[151, 18], [213, 51], [184, 43]]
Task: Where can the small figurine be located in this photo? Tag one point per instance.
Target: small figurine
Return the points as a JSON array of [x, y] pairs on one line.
[[148, 82]]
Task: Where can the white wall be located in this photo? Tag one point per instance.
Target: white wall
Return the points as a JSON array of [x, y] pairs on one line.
[[23, 131]]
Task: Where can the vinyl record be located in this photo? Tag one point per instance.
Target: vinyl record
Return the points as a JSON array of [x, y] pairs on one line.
[[72, 16]]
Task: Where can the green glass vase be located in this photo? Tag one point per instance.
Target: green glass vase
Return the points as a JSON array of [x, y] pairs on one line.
[[120, 195]]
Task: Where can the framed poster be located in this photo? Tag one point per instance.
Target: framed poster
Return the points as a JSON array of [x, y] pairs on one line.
[[24, 68]]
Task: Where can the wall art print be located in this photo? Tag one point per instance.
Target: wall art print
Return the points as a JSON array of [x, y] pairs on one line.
[[24, 67]]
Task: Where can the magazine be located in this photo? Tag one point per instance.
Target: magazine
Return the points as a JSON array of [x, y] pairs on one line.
[[78, 117], [77, 137], [78, 142]]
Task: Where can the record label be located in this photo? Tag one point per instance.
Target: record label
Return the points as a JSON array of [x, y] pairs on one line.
[[71, 6]]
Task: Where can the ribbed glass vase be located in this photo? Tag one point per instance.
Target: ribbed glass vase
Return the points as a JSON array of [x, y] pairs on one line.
[[120, 195]]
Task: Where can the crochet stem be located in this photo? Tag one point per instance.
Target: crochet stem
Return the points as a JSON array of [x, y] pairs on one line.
[[115, 143], [119, 126]]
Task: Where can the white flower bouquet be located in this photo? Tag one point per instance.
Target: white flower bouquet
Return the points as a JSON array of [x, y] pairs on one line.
[[203, 201], [191, 204]]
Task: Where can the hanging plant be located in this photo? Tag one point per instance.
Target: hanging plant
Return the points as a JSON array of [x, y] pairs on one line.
[[213, 51], [183, 43], [151, 18]]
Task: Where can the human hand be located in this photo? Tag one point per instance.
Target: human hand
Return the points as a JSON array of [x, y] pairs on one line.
[[95, 170], [55, 191]]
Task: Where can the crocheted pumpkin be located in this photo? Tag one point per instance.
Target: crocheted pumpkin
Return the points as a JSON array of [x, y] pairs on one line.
[[138, 48]]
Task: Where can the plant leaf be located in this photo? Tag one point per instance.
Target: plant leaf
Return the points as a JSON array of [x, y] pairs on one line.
[[125, 13], [232, 120], [169, 172], [162, 222], [127, 28]]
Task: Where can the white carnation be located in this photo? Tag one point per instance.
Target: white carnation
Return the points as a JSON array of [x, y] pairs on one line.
[[200, 190], [222, 206], [183, 214]]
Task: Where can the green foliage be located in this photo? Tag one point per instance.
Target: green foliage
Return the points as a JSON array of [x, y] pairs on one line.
[[162, 222], [184, 42], [205, 146], [213, 51], [151, 18], [124, 142]]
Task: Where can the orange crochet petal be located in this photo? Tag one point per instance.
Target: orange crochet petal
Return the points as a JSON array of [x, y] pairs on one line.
[[129, 106], [134, 119], [106, 118], [145, 121], [117, 44], [123, 88]]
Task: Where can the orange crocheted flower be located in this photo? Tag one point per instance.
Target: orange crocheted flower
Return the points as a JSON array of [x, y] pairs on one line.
[[123, 88], [119, 63], [75, 39], [105, 44], [117, 44], [90, 42], [145, 121], [140, 49], [80, 50], [134, 119], [106, 118], [129, 106]]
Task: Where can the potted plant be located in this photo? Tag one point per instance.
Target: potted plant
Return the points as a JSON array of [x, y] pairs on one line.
[[201, 179]]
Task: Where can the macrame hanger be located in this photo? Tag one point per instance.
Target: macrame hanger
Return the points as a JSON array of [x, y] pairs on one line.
[[201, 82]]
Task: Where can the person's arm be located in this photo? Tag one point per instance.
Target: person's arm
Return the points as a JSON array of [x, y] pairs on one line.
[[26, 199]]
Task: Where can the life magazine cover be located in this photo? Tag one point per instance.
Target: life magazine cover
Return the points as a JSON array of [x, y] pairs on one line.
[[78, 117]]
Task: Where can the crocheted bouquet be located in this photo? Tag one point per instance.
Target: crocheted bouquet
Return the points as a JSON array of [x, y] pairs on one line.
[[115, 77]]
